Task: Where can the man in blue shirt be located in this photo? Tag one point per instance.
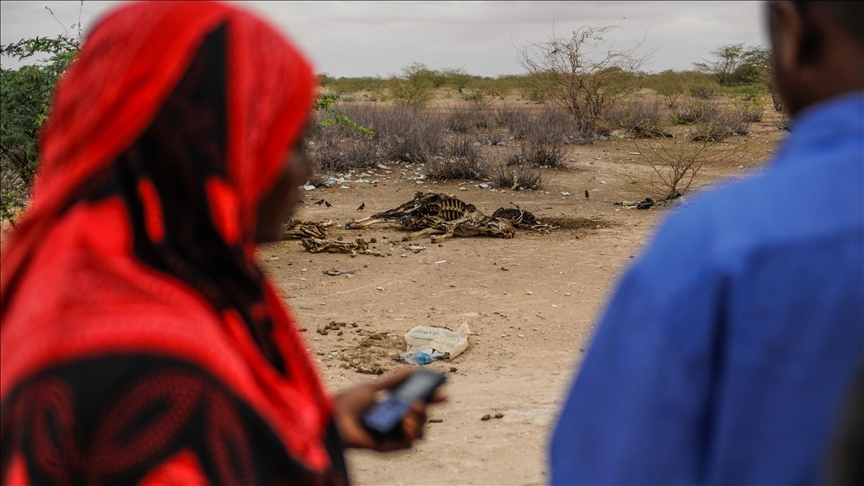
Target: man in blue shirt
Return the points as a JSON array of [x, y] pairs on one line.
[[728, 350]]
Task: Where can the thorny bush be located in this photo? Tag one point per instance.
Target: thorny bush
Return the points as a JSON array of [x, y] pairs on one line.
[[641, 118], [516, 177]]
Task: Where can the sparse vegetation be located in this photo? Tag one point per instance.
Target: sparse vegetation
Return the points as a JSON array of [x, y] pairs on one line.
[[465, 118], [461, 159], [640, 117], [573, 92], [516, 176], [736, 64], [414, 86], [693, 111], [26, 95], [670, 168], [670, 85], [717, 125], [578, 75]]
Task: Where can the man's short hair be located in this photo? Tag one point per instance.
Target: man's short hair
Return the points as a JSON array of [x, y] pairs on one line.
[[848, 15]]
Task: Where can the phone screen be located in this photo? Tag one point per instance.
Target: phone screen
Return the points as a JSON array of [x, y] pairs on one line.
[[383, 417]]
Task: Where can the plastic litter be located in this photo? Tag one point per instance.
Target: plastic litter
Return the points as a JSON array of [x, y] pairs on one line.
[[422, 356], [426, 344]]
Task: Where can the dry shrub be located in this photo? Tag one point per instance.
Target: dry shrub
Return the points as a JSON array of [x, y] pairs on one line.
[[693, 111], [516, 176], [553, 125], [460, 160], [670, 167], [703, 91], [409, 134], [750, 111], [336, 148], [548, 122], [720, 125], [517, 120], [537, 153], [343, 155], [401, 133], [543, 144], [365, 114], [462, 119], [642, 118], [443, 168]]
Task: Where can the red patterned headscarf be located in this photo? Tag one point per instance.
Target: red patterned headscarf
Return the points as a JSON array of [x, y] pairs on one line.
[[164, 136]]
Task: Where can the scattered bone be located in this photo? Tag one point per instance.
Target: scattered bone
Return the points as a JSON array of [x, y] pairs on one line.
[[317, 245], [296, 229], [474, 224]]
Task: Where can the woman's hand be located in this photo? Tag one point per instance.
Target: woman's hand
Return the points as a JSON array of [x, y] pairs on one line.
[[350, 405]]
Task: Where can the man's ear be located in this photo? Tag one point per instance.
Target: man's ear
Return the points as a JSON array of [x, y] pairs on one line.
[[786, 28]]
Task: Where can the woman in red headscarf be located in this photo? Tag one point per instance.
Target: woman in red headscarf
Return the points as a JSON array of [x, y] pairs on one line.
[[141, 343]]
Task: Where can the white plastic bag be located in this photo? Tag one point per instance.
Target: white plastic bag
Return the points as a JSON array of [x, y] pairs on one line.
[[439, 339]]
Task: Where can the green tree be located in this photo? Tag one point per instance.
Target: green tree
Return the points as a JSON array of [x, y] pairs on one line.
[[670, 86], [456, 78], [414, 86], [25, 100], [736, 64]]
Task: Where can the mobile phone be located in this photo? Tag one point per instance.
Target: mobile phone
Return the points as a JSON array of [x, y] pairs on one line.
[[383, 418]]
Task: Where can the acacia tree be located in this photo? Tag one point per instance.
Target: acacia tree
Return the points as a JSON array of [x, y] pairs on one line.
[[670, 86], [578, 74], [737, 63], [414, 87]]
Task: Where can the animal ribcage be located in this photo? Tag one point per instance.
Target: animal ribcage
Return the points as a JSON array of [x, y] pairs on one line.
[[448, 208]]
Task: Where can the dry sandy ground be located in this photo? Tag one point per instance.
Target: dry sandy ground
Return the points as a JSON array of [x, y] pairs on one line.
[[531, 303], [531, 323]]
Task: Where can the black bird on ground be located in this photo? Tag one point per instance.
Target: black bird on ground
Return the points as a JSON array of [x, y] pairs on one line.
[[319, 202], [586, 194], [362, 206], [326, 203]]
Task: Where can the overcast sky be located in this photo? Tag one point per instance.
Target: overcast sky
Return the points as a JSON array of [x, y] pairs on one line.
[[379, 38]]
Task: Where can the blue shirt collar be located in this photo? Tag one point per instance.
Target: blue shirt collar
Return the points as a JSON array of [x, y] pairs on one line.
[[837, 118]]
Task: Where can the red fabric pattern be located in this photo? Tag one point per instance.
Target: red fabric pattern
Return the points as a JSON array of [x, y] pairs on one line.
[[71, 286], [138, 427], [226, 209], [152, 210], [18, 471], [181, 469]]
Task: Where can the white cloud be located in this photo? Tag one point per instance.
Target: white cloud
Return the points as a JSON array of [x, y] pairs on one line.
[[379, 38]]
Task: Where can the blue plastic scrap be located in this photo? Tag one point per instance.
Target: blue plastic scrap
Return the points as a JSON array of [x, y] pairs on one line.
[[422, 356]]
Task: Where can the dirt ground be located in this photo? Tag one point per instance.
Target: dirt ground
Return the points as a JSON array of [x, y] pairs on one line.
[[531, 303]]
